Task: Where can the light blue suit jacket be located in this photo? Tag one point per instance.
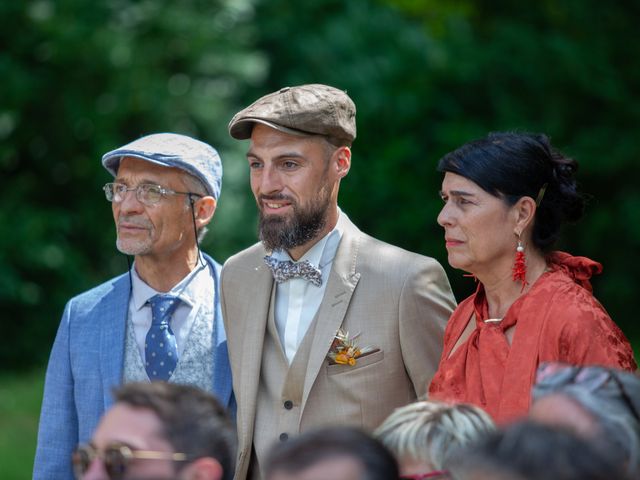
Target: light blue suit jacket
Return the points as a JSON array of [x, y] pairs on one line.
[[87, 362]]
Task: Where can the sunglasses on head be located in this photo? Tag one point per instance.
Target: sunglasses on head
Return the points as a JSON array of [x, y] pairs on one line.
[[434, 475], [591, 378], [116, 458]]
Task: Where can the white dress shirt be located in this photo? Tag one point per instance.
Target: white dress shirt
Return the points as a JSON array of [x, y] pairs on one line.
[[193, 290], [297, 299]]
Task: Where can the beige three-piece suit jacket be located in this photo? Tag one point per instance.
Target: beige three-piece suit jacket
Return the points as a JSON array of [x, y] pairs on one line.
[[396, 300]]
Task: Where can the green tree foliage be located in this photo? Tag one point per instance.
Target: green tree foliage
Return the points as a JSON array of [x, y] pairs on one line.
[[80, 78]]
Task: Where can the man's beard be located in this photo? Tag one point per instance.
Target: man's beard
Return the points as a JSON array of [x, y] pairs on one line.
[[131, 246], [287, 232]]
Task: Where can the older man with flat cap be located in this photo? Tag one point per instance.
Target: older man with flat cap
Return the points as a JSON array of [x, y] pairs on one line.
[[326, 325], [160, 320]]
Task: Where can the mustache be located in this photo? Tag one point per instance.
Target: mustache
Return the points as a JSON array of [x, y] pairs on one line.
[[137, 221], [276, 196]]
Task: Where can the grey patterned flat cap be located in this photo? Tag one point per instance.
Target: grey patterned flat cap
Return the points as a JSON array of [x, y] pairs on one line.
[[313, 109], [173, 150]]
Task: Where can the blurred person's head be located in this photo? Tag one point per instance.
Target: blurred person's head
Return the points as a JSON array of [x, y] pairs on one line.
[[423, 435], [335, 453], [160, 431], [531, 451], [598, 403]]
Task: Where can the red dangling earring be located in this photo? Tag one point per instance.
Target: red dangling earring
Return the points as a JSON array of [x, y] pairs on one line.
[[520, 266]]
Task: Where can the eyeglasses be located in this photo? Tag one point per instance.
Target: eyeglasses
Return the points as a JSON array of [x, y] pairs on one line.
[[146, 193], [556, 374], [434, 475], [116, 458]]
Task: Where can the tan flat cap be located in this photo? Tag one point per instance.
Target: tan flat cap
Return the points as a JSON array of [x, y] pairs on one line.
[[312, 109]]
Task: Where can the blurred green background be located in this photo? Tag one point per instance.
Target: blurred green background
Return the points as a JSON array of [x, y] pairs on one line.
[[79, 78]]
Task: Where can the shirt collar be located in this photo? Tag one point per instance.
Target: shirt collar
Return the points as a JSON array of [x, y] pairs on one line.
[[187, 289]]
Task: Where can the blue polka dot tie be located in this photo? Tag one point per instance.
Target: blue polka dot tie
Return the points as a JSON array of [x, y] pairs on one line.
[[160, 351]]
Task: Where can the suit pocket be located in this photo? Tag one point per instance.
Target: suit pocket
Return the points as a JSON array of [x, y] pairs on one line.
[[361, 362]]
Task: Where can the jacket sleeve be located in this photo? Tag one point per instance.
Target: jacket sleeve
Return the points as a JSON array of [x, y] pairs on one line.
[[58, 430], [425, 306], [222, 380]]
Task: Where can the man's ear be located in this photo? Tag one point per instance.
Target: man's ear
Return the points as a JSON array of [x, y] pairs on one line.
[[343, 161], [203, 209], [205, 468]]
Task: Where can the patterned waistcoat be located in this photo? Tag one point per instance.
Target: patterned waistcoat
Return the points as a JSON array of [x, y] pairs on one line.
[[195, 365]]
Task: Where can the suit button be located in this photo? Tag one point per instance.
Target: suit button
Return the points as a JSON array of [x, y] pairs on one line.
[[284, 437], [288, 404]]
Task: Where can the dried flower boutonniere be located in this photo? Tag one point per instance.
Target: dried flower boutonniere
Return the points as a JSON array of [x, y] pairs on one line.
[[345, 351]]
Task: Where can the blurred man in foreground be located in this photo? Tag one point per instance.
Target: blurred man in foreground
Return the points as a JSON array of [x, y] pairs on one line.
[[160, 431], [600, 404]]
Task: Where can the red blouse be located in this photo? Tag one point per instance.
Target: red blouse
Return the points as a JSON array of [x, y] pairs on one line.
[[557, 320]]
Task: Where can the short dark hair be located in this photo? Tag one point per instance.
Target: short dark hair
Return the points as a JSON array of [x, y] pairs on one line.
[[535, 452], [326, 443], [511, 165], [193, 420]]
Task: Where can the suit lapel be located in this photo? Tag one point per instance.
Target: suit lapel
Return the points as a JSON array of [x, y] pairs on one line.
[[340, 287], [111, 318]]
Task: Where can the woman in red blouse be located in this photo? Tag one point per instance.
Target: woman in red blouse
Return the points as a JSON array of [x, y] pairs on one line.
[[506, 197]]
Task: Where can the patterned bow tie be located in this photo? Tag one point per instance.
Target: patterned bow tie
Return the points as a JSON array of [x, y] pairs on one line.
[[284, 270]]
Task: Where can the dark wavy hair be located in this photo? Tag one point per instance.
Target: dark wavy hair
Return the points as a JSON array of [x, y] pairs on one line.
[[511, 165], [326, 443]]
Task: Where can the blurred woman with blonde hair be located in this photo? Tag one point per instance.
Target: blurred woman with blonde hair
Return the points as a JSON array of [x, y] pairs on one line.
[[423, 435]]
